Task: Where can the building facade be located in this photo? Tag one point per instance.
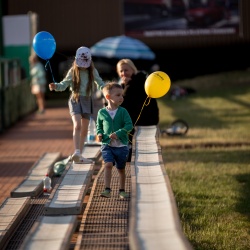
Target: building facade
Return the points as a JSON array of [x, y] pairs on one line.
[[179, 51]]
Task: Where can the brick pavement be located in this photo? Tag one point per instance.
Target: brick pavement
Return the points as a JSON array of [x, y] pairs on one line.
[[26, 141]]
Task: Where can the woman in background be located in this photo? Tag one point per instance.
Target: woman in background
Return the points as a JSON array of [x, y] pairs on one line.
[[133, 82]]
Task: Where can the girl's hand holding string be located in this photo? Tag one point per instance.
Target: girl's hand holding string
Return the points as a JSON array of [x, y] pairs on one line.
[[52, 86]]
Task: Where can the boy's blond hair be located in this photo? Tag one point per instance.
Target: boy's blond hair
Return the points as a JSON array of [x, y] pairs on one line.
[[109, 86]]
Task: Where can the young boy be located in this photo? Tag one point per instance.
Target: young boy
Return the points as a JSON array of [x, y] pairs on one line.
[[113, 125]]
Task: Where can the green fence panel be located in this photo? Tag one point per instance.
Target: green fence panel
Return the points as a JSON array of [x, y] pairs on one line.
[[17, 101]]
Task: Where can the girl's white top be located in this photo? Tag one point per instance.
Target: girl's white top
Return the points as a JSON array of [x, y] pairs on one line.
[[84, 76]]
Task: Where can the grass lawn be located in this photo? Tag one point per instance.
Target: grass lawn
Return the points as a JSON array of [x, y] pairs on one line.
[[209, 167]]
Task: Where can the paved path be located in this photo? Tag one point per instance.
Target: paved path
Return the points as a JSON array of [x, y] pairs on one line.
[[26, 141]]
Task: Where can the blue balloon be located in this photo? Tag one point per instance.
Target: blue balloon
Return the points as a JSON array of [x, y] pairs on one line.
[[44, 45]]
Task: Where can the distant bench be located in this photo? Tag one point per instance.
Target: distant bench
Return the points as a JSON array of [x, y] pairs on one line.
[[154, 219], [32, 185], [67, 196]]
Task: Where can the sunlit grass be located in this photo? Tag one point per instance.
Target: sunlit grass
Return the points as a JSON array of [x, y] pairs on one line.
[[215, 113], [209, 168], [212, 190]]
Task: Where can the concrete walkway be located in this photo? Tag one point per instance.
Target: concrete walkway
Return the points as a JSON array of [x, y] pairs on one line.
[[26, 141]]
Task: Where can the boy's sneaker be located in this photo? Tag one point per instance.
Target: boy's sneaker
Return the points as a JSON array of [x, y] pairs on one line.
[[106, 193], [123, 195]]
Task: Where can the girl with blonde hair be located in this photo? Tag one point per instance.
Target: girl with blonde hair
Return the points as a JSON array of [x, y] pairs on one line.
[[80, 79]]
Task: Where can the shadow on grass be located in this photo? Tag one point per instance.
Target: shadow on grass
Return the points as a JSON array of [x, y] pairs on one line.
[[243, 204], [198, 114]]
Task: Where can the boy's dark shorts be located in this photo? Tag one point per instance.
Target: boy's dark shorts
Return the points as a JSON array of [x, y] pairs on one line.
[[117, 155]]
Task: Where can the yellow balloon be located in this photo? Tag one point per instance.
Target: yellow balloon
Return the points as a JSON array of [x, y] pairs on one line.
[[157, 84]]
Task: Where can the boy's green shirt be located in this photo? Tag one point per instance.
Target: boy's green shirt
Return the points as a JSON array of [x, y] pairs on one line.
[[121, 125]]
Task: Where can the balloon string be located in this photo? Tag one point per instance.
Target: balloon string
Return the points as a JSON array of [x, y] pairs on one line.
[[144, 104], [48, 63]]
